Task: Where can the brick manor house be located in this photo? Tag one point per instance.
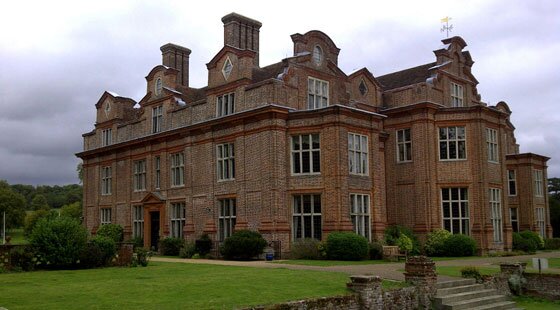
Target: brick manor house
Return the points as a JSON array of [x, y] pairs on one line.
[[299, 148]]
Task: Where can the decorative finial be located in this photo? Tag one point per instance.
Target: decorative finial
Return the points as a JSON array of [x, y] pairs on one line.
[[446, 27]]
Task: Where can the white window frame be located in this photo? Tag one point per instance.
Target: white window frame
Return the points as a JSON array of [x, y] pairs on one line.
[[302, 217], [317, 93], [512, 182], [139, 173], [495, 198], [453, 142], [106, 137], [157, 168], [227, 217], [157, 118], [225, 154], [540, 219], [299, 154], [225, 104], [105, 216], [227, 68], [538, 182], [456, 95], [492, 145], [177, 219], [106, 180], [137, 222], [360, 214], [461, 217], [514, 218], [404, 146], [358, 154], [177, 169]]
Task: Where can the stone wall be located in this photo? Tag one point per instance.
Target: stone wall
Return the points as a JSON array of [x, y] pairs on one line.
[[543, 285]]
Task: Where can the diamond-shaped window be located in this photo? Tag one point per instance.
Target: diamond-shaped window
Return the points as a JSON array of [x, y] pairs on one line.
[[362, 87], [226, 70]]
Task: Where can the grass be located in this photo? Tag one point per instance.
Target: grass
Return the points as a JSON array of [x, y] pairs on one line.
[[328, 263], [455, 271], [533, 303], [165, 286], [17, 236]]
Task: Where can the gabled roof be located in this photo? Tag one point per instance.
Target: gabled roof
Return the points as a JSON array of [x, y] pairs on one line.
[[112, 95], [240, 53], [367, 73], [406, 77]]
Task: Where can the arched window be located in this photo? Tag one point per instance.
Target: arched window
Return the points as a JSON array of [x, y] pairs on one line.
[[317, 54], [159, 86]]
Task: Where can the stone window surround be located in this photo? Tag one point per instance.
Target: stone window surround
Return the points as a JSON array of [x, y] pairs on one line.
[[512, 182], [137, 221], [462, 216], [492, 145], [227, 218], [300, 227], [139, 175], [317, 97], [177, 168], [538, 182], [177, 219], [106, 180], [225, 104], [104, 216], [106, 136], [457, 95], [404, 144], [313, 159], [360, 214], [358, 157], [457, 140], [157, 118], [514, 218], [540, 220], [495, 199], [225, 161]]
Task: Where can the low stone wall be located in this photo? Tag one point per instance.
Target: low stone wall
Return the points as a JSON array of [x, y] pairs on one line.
[[368, 292], [124, 254], [5, 249], [543, 285]]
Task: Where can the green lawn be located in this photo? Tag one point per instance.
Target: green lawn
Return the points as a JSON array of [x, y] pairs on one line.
[[455, 271], [531, 303], [165, 286], [17, 236], [328, 263]]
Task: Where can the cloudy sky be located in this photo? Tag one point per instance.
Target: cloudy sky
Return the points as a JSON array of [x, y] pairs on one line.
[[57, 58]]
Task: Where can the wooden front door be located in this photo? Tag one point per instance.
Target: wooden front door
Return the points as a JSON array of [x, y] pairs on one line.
[[154, 230]]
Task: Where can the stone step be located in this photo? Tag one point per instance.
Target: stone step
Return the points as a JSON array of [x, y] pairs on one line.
[[459, 289], [464, 296], [475, 302], [454, 283], [510, 305]]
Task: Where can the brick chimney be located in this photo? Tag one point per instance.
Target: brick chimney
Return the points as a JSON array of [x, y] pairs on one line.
[[242, 33], [177, 57]]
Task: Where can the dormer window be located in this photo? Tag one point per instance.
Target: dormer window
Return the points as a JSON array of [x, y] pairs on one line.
[[456, 95], [226, 70], [158, 87], [317, 93], [317, 55], [157, 118]]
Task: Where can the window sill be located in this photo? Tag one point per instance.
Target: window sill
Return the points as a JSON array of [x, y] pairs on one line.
[[453, 160], [404, 162], [225, 180], [305, 174]]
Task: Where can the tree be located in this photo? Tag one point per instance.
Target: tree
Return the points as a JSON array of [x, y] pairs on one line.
[[554, 186], [39, 202], [13, 204], [28, 191], [554, 204], [73, 210]]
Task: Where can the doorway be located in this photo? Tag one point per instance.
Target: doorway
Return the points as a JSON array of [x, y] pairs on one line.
[[154, 232]]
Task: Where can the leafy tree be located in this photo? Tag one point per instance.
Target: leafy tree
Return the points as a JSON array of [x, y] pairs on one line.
[[73, 210], [39, 202], [28, 191], [554, 186], [32, 218], [554, 204], [13, 204]]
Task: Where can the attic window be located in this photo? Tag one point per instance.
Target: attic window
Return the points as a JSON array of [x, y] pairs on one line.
[[226, 70], [159, 86], [363, 88], [317, 55]]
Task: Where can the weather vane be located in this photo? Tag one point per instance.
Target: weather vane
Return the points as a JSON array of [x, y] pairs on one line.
[[446, 27]]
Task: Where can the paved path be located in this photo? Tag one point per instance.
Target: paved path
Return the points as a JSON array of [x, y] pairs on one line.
[[393, 271]]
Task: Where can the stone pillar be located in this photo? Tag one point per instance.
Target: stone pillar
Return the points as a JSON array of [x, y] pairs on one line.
[[369, 291], [420, 271], [510, 280]]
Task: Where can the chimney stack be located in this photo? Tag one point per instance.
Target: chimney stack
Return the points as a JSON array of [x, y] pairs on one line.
[[242, 33], [177, 57]]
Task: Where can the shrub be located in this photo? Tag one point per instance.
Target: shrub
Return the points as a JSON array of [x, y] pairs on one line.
[[73, 210], [111, 231], [170, 246], [98, 252], [32, 218], [392, 234], [23, 258], [187, 250], [307, 248], [58, 241], [375, 250], [137, 242], [243, 245], [552, 244], [141, 257], [203, 245], [471, 272], [404, 243], [435, 242], [346, 246], [459, 245], [522, 244], [538, 240]]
